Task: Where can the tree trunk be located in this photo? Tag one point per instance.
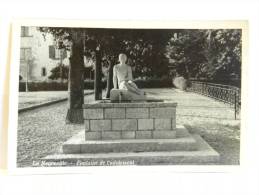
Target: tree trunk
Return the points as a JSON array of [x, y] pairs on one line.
[[98, 77], [210, 54], [109, 80], [76, 81]]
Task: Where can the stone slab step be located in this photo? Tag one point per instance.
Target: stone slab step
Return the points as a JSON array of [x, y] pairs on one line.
[[77, 144], [203, 155], [181, 131]]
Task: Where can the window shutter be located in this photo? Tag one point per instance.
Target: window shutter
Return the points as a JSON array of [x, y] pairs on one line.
[[22, 31], [64, 54], [26, 31], [52, 52], [57, 53]]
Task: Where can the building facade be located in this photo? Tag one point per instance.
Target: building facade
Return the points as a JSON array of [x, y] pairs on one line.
[[38, 55]]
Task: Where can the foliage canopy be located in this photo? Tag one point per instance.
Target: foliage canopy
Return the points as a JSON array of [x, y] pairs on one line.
[[196, 53]]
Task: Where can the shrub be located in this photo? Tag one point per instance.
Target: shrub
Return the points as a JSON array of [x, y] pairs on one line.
[[89, 84], [54, 86], [43, 86], [154, 83], [222, 81]]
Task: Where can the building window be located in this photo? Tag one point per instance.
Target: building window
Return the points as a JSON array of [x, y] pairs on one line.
[[25, 54], [25, 31], [43, 71], [57, 53], [54, 53]]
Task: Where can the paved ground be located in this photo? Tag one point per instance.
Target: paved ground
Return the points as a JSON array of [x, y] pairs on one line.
[[42, 131], [213, 120], [37, 97]]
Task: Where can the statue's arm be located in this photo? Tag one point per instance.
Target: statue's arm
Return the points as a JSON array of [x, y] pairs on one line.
[[115, 83]]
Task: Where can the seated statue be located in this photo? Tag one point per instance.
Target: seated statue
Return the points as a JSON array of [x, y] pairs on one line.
[[124, 87]]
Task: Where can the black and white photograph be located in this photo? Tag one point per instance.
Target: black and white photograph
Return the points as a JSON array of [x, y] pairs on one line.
[[111, 96], [129, 97]]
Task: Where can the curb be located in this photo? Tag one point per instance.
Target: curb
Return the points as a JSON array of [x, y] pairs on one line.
[[46, 104]]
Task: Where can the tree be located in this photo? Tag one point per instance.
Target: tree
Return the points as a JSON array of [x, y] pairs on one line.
[[75, 77], [206, 53], [223, 53], [72, 39], [144, 48], [185, 51], [55, 72], [80, 42]]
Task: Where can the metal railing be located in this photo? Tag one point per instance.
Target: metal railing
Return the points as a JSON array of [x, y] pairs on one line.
[[225, 93]]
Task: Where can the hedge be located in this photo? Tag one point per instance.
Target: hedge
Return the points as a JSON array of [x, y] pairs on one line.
[[232, 82], [57, 86], [53, 86], [154, 83], [43, 86]]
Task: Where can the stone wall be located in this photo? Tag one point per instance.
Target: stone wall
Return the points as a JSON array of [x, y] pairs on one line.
[[142, 120]]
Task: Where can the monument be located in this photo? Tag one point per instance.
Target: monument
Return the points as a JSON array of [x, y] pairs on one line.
[[142, 132], [132, 128]]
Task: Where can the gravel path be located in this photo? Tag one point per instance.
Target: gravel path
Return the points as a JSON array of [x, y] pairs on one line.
[[42, 131]]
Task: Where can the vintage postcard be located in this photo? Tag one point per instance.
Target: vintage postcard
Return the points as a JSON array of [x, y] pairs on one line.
[[100, 94]]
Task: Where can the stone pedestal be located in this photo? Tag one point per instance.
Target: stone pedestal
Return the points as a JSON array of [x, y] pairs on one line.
[[142, 133], [133, 120]]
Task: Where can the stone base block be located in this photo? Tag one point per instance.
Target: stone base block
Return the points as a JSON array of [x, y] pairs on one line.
[[93, 135], [111, 135], [77, 144], [128, 135], [164, 134], [143, 134], [204, 155]]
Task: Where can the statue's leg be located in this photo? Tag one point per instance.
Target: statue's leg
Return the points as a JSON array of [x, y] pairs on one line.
[[141, 92], [133, 87]]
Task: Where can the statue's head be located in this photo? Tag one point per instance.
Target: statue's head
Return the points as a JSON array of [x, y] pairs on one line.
[[122, 58]]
